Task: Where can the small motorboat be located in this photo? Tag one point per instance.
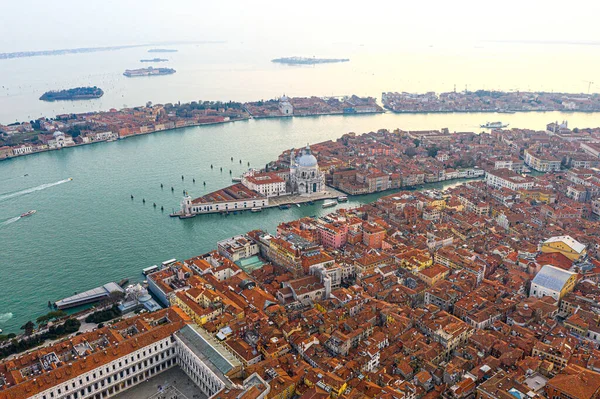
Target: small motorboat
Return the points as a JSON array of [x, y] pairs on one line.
[[28, 213], [256, 209], [342, 198]]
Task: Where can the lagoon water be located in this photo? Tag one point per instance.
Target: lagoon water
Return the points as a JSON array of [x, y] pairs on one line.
[[241, 71], [88, 231]]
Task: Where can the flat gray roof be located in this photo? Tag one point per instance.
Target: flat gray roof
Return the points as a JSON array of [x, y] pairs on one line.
[[215, 356]]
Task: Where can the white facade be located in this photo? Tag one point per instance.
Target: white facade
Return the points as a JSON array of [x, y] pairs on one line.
[[226, 206], [509, 179], [60, 140], [306, 179], [117, 376], [22, 149], [267, 184], [285, 107], [100, 136]]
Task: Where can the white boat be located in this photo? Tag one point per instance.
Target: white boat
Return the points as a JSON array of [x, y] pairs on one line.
[[329, 203], [236, 179], [298, 205], [342, 198], [254, 210], [28, 213]]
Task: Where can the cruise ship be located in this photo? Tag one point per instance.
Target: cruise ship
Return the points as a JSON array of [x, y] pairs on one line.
[[494, 125], [130, 73]]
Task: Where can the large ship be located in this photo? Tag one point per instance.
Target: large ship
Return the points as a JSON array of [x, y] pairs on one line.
[[494, 125], [162, 50], [130, 73], [308, 60], [155, 60]]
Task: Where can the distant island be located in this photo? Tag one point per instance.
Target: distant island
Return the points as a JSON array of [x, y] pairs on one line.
[[155, 60], [308, 60], [77, 93], [130, 73], [162, 50], [22, 54]]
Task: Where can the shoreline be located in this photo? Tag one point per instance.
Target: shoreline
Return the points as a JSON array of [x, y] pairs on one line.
[[251, 117], [84, 309]]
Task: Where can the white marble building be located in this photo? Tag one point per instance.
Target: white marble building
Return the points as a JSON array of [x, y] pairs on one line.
[[306, 178]]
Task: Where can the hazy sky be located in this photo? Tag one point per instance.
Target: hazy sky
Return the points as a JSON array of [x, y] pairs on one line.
[[45, 24]]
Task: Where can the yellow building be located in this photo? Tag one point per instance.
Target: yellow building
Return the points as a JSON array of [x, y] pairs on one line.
[[565, 245], [193, 305]]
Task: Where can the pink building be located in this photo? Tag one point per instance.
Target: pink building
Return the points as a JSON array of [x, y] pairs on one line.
[[333, 236]]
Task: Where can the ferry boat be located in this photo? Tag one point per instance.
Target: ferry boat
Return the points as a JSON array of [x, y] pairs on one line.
[[342, 198], [28, 213], [236, 179], [329, 203], [494, 125], [256, 209]]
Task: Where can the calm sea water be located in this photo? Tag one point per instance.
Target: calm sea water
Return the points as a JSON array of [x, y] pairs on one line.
[[88, 231], [234, 71]]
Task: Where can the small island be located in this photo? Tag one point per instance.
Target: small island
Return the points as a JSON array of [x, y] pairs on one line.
[[308, 60], [77, 93], [130, 73], [162, 50], [155, 60]]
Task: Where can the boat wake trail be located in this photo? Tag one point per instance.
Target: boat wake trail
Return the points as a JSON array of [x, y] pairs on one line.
[[4, 197], [6, 223], [4, 317]]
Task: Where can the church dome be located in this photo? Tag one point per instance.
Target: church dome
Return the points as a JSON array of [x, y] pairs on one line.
[[307, 159]]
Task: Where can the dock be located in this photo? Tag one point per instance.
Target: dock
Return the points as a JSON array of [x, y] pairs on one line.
[[273, 202], [90, 296]]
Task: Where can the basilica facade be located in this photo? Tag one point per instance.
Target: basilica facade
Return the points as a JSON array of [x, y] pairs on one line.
[[306, 178]]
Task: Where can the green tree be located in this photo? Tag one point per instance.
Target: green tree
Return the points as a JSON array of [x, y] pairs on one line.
[[417, 142], [28, 327], [432, 151]]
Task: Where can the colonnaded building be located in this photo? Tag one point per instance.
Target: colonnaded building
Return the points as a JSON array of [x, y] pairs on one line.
[[109, 360]]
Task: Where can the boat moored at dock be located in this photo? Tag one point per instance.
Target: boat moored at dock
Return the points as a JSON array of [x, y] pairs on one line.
[[342, 198]]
